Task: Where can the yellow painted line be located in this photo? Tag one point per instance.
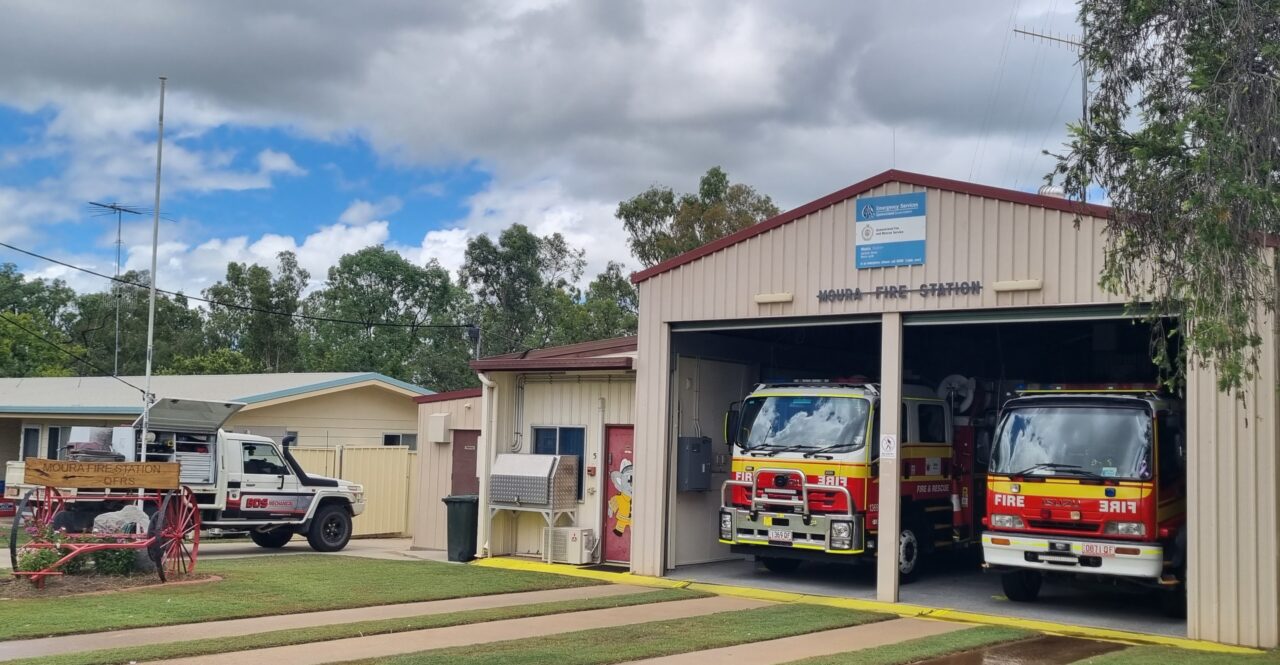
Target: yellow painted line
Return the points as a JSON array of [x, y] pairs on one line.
[[900, 609]]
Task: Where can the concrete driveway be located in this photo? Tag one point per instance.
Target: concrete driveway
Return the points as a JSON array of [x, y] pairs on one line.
[[213, 549], [955, 584]]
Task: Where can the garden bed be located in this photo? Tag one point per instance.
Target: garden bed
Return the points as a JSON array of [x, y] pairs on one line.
[[83, 585]]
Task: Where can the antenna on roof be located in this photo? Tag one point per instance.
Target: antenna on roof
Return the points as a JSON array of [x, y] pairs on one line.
[[119, 210]]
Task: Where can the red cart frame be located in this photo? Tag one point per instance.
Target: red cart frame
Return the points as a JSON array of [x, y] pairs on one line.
[[172, 540]]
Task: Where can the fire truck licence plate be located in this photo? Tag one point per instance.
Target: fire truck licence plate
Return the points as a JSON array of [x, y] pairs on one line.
[[780, 535], [1097, 549]]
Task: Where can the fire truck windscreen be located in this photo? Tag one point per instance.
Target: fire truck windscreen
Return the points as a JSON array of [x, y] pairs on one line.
[[1105, 442], [804, 423]]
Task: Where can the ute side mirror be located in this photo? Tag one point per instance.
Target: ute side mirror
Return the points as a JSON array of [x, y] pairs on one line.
[[732, 421]]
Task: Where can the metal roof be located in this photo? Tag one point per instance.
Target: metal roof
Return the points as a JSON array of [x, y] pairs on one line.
[[105, 395]]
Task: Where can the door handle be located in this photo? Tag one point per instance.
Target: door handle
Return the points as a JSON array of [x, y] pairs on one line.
[[281, 485]]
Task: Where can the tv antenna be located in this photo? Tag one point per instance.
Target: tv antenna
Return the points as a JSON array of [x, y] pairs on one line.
[[103, 210], [1074, 44]]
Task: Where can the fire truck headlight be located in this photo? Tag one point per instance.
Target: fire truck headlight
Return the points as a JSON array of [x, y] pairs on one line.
[[841, 537], [726, 526], [1007, 522], [1125, 529]]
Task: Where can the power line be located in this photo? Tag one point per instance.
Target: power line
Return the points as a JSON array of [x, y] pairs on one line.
[[67, 351], [247, 308]]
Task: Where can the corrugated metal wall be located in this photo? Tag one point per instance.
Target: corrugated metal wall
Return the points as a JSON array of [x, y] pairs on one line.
[[573, 400], [388, 474], [1232, 506], [970, 238], [434, 468]]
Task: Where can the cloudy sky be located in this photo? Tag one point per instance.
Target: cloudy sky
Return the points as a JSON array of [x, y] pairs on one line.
[[324, 126]]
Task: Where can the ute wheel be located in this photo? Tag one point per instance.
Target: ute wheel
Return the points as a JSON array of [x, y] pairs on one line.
[[175, 534], [330, 528], [780, 566], [1021, 586], [911, 550], [273, 539]]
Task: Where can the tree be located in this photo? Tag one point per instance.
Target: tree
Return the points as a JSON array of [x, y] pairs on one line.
[[426, 343], [611, 305], [1184, 135], [524, 289], [217, 361], [179, 329], [21, 354], [266, 334], [47, 298], [662, 225]]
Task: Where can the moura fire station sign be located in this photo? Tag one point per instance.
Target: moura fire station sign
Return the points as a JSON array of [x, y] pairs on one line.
[[83, 475]]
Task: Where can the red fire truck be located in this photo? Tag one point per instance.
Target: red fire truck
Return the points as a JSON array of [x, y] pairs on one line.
[[805, 484], [1088, 480]]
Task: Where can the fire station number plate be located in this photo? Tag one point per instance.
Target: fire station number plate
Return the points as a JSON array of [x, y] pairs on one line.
[[1098, 549], [780, 535]]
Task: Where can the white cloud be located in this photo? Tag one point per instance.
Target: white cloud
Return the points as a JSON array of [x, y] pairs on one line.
[[271, 161], [363, 212]]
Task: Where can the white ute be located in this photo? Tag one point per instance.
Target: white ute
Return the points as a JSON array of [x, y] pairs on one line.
[[242, 482]]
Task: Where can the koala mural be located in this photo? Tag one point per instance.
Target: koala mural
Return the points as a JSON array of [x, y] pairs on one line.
[[620, 504]]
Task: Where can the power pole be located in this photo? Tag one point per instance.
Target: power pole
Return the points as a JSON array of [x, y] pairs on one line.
[[147, 397]]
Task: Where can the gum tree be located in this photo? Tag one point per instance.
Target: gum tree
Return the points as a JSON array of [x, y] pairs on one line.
[[1184, 136]]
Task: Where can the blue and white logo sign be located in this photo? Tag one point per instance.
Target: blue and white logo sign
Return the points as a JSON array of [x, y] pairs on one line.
[[890, 230]]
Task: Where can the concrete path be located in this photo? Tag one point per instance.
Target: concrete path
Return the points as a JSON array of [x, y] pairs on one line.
[[213, 549], [160, 634], [825, 643], [381, 646]]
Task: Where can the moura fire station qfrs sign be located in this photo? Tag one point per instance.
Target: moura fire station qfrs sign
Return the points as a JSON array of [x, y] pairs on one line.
[[83, 475]]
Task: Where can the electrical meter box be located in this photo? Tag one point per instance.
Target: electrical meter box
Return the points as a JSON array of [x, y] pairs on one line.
[[693, 464]]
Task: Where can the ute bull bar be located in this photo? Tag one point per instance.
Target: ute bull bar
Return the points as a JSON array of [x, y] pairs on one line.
[[802, 503]]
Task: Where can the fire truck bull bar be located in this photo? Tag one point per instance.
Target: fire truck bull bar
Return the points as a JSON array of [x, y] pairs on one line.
[[818, 525]]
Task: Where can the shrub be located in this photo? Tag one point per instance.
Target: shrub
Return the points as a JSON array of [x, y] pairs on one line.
[[31, 560], [75, 566], [114, 562]]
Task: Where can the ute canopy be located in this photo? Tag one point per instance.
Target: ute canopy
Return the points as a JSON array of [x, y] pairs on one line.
[[189, 415]]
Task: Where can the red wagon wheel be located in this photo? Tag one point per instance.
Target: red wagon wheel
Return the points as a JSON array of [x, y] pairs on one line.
[[175, 533], [37, 508]]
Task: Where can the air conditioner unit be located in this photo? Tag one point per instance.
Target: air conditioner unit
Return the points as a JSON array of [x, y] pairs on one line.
[[569, 544]]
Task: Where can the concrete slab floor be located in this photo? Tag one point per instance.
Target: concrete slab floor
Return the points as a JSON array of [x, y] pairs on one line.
[[955, 583], [380, 646], [787, 649], [373, 548], [50, 646]]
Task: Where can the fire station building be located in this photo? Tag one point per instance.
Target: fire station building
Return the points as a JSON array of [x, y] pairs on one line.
[[911, 279]]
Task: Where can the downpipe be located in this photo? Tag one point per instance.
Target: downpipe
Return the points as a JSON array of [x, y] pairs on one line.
[[488, 418]]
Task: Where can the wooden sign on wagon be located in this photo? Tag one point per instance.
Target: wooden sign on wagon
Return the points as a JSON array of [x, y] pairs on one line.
[[110, 475]]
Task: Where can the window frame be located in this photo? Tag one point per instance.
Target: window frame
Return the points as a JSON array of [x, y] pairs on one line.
[[582, 459], [283, 464], [400, 439]]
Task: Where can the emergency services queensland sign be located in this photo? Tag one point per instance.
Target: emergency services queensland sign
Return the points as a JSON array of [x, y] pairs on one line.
[[889, 230]]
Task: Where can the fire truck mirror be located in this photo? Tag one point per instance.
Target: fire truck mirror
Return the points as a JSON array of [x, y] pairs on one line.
[[732, 418]]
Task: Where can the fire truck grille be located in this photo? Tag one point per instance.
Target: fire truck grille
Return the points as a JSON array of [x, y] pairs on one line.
[[1082, 527]]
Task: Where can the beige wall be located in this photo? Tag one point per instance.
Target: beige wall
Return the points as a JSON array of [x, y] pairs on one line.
[[1232, 505], [435, 465], [591, 400], [355, 417]]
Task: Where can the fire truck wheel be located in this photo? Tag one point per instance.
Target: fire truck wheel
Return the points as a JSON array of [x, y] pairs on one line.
[[780, 566], [330, 528], [273, 539], [910, 551], [1021, 586]]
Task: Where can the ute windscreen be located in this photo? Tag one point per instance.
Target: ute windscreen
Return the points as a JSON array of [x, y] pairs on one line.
[[1099, 442], [804, 423]]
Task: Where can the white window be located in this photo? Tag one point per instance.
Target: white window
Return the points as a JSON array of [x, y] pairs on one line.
[[409, 439]]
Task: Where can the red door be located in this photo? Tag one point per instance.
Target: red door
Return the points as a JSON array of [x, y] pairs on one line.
[[617, 495], [464, 462]]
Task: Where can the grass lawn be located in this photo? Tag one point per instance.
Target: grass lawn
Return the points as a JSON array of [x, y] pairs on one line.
[[916, 650], [1169, 656], [258, 586], [358, 629], [647, 640]]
